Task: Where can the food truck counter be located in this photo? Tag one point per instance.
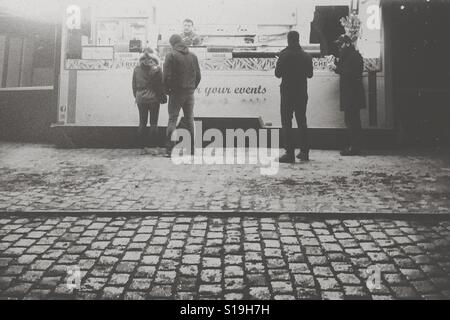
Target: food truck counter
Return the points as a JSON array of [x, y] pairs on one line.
[[100, 51]]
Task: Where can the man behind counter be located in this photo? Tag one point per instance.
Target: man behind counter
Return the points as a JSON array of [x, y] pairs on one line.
[[188, 35]]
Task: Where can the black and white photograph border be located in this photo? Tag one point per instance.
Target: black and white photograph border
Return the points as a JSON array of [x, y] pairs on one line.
[[147, 154]]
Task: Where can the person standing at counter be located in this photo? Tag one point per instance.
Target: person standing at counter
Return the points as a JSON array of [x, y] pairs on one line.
[[350, 67], [148, 91], [181, 78], [188, 35], [294, 67]]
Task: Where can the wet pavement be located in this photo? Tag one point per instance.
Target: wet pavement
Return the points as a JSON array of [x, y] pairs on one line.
[[39, 177], [212, 257], [268, 242]]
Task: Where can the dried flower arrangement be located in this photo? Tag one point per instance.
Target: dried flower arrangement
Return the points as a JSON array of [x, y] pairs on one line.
[[352, 26]]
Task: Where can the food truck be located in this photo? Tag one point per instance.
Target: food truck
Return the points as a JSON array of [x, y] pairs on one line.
[[101, 41]]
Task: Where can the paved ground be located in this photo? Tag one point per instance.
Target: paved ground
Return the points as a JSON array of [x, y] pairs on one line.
[[232, 257], [38, 177]]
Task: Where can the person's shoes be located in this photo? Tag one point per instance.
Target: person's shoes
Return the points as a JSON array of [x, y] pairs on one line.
[[151, 151], [286, 159], [169, 148], [303, 156], [160, 151], [169, 152], [350, 152]]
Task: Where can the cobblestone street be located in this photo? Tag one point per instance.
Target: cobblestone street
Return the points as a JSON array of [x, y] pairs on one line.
[[244, 253], [213, 257], [39, 177]]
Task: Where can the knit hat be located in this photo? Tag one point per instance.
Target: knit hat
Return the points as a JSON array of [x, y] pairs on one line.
[[175, 39], [147, 55], [149, 50]]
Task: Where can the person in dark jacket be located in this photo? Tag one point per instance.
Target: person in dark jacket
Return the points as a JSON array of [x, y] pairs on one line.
[[147, 89], [294, 67], [181, 78], [350, 67]]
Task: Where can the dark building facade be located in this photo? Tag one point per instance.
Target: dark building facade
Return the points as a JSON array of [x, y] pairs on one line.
[[420, 42], [27, 78]]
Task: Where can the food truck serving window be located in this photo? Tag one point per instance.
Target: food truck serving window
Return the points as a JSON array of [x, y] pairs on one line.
[[317, 22], [262, 32]]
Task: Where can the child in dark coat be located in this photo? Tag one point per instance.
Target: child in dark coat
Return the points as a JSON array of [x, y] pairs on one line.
[[148, 90]]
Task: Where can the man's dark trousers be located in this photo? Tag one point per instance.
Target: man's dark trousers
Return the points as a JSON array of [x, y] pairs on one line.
[[354, 129], [294, 103]]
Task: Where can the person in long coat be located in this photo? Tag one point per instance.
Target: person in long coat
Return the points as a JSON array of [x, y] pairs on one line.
[[350, 67]]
